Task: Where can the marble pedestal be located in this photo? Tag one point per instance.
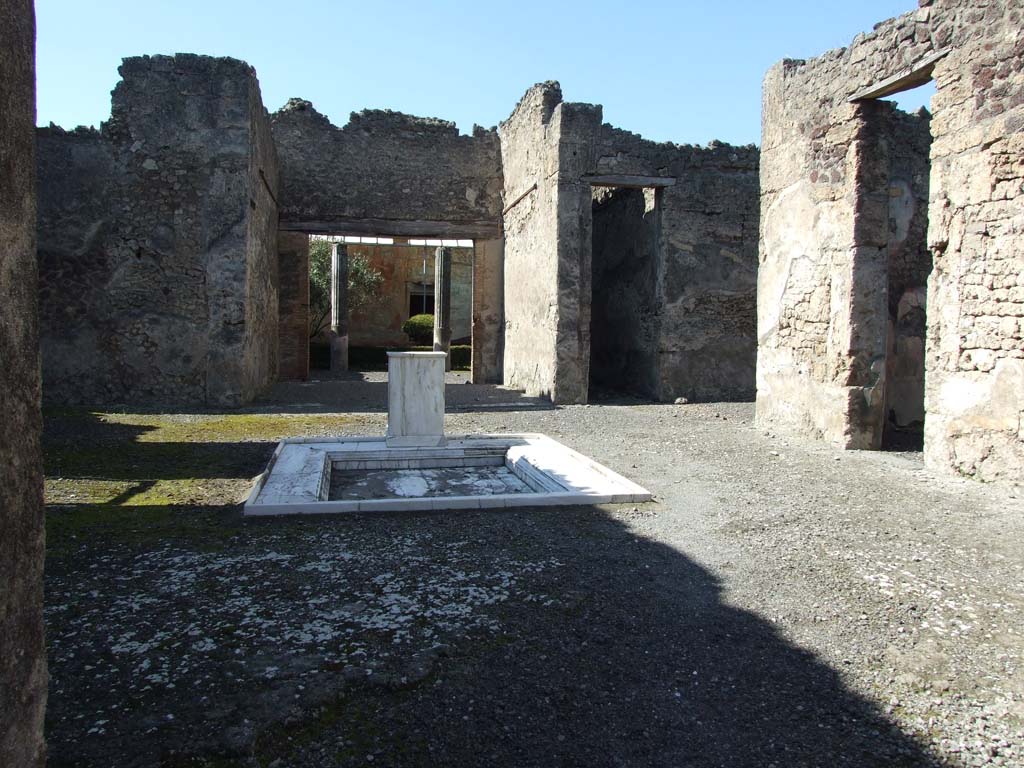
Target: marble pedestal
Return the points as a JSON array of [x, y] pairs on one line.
[[339, 351], [415, 399]]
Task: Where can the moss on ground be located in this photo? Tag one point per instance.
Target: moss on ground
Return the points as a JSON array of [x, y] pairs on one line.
[[361, 715], [147, 476]]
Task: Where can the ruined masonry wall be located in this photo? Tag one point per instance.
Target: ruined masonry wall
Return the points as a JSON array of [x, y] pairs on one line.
[[547, 244], [23, 674], [707, 244], [384, 166], [579, 127], [820, 366], [818, 357], [975, 347], [704, 236], [157, 241], [529, 156], [260, 352]]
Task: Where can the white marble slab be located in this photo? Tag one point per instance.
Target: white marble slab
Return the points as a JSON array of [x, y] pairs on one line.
[[415, 398], [298, 478]]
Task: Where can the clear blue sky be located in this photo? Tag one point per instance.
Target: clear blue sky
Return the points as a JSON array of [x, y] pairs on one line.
[[687, 71]]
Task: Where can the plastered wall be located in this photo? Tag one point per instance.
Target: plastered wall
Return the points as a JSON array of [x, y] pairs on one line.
[[821, 354]]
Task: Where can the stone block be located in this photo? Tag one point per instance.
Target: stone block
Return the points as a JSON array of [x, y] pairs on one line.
[[415, 398]]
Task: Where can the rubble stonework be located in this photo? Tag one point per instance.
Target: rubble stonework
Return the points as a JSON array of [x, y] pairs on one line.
[[158, 241], [388, 167], [706, 257], [546, 146], [158, 283], [821, 324], [696, 337], [23, 675]]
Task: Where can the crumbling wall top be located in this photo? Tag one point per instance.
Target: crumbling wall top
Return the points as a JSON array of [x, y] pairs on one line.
[[542, 96], [377, 121]]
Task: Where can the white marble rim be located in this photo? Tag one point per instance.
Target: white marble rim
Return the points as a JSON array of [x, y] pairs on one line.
[[550, 489]]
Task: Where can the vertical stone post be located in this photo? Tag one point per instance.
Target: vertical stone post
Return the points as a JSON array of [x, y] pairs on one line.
[[22, 651], [865, 321], [488, 310], [443, 304], [339, 307]]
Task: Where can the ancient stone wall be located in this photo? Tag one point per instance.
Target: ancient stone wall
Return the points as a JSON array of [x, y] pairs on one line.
[[705, 243], [22, 651], [529, 160], [975, 349], [822, 303], [547, 145], [157, 241], [385, 169], [260, 352], [708, 220], [821, 326], [293, 305]]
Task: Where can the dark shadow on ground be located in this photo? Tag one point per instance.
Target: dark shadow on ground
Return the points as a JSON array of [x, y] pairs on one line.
[[908, 439], [620, 651], [604, 395], [363, 392], [79, 444]]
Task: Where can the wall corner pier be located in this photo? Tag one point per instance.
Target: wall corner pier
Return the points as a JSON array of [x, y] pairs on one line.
[[23, 671], [158, 241], [547, 145]]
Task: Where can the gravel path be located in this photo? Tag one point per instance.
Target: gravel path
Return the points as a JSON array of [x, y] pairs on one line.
[[780, 603]]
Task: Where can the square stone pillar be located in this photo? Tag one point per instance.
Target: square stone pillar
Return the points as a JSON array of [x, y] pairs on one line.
[[339, 307], [415, 398]]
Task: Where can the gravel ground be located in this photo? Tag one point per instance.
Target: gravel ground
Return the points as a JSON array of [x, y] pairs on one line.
[[779, 603]]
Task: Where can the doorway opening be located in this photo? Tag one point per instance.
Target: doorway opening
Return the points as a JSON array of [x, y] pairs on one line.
[[625, 286], [391, 297], [901, 144]]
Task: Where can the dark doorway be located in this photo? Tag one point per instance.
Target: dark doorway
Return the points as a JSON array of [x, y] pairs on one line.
[[907, 144], [624, 323]]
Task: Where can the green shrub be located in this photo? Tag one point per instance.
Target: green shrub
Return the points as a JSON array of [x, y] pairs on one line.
[[364, 284], [419, 328], [376, 358], [462, 356]]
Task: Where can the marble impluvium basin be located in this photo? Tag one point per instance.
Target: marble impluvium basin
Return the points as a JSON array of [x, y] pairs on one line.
[[415, 466], [467, 472]]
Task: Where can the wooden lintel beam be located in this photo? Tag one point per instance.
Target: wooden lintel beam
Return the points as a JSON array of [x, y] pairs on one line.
[[630, 182], [453, 230], [519, 199], [919, 74]]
